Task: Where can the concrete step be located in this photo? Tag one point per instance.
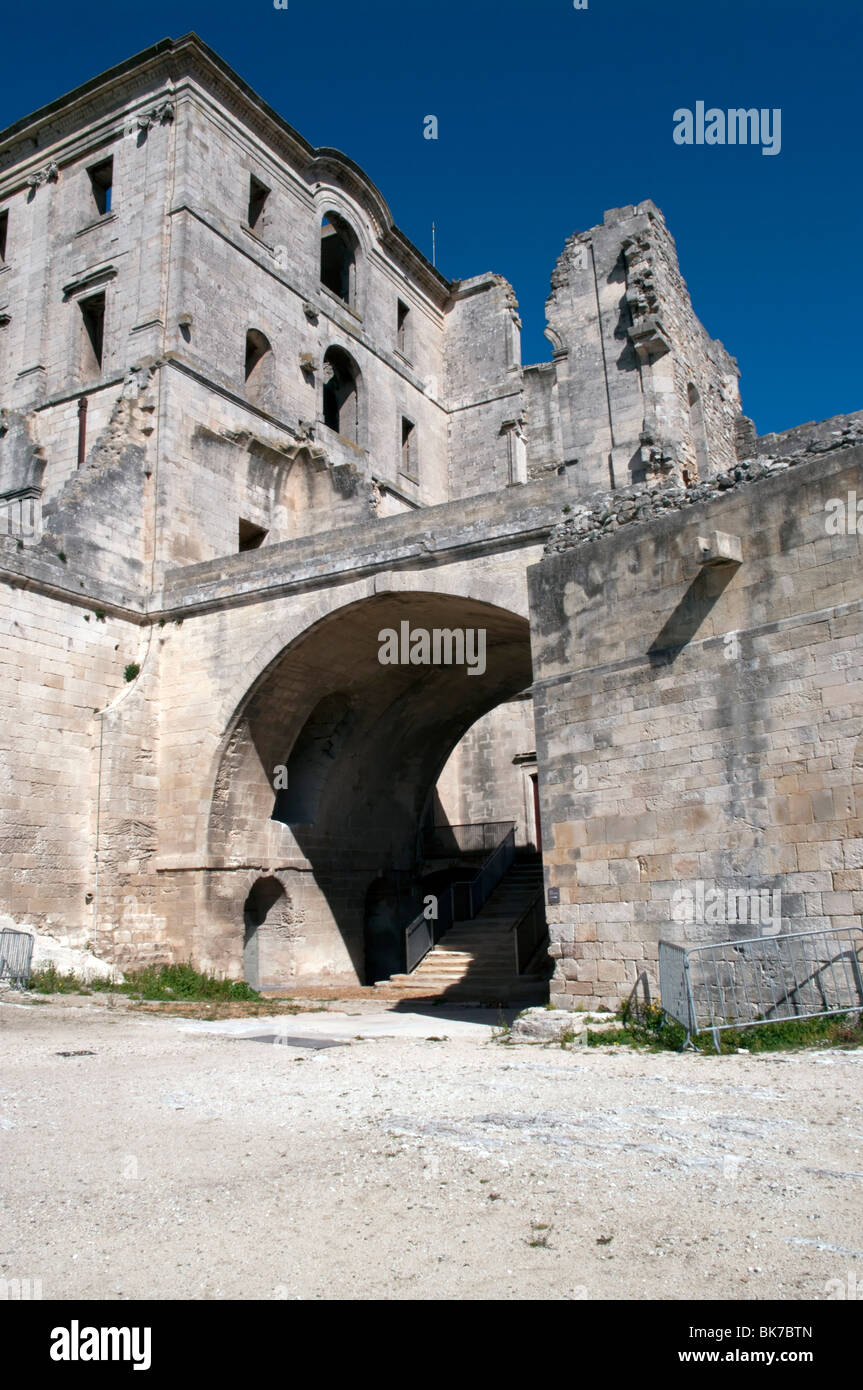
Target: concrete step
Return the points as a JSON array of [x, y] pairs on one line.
[[468, 947]]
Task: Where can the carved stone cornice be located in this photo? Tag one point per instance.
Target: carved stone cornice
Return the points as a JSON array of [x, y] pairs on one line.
[[89, 280], [161, 114], [49, 174]]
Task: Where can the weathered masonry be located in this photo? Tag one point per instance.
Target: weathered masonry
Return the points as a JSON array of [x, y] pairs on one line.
[[246, 428]]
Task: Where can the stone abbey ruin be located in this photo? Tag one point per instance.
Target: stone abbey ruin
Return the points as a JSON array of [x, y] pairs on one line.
[[245, 428]]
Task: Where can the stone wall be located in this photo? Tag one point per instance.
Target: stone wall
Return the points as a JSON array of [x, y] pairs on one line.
[[699, 721], [483, 384], [487, 777], [61, 666]]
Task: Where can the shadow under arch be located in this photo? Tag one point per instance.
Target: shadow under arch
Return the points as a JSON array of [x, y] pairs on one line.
[[363, 797]]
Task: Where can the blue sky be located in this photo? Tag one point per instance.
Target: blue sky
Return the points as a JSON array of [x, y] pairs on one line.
[[547, 116]]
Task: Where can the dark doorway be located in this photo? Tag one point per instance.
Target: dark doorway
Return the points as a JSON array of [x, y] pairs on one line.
[[536, 816]]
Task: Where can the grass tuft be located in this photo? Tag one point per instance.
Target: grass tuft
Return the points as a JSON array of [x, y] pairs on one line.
[[49, 980], [153, 982], [654, 1031]]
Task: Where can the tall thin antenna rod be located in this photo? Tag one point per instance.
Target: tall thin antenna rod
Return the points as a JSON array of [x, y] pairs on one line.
[[434, 247]]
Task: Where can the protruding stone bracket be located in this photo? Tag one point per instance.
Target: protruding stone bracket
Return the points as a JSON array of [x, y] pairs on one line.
[[649, 339], [719, 548], [162, 114]]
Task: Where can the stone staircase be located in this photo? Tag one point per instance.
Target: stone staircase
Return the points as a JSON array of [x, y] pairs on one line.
[[476, 959]]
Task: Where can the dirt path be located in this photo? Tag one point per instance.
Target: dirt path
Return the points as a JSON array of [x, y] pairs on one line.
[[178, 1163]]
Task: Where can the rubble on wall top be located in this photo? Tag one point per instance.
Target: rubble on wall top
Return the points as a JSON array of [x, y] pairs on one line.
[[641, 503]]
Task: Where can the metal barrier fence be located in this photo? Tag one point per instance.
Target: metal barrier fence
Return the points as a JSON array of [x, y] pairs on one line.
[[16, 953], [446, 841], [739, 984]]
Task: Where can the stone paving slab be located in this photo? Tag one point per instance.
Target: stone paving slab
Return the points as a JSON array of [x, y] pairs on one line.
[[338, 1026]]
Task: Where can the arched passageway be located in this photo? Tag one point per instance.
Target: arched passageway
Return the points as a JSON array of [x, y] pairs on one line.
[[332, 760]]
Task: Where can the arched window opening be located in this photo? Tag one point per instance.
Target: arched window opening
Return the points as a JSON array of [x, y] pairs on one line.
[[259, 367], [257, 347], [338, 257], [258, 195], [341, 395], [250, 536], [697, 431]]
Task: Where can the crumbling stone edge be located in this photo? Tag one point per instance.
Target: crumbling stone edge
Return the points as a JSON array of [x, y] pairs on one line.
[[641, 503]]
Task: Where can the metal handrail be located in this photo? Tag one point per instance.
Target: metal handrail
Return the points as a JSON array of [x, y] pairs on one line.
[[526, 947], [421, 934], [419, 939], [470, 838], [479, 889]]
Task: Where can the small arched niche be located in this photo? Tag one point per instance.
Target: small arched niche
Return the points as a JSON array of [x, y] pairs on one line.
[[263, 896], [259, 368]]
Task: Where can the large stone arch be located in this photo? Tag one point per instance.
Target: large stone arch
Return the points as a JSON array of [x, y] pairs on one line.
[[387, 731], [257, 644]]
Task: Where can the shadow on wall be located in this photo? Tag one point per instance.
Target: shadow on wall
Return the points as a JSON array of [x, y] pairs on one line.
[[311, 760], [701, 596]]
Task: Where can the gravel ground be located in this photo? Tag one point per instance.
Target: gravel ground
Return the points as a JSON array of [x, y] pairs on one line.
[[178, 1163]]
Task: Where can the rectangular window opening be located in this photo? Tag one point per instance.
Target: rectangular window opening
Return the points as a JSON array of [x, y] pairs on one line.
[[93, 315], [102, 182], [402, 328], [4, 230], [409, 449], [258, 195], [251, 536]]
